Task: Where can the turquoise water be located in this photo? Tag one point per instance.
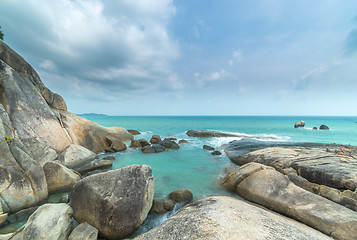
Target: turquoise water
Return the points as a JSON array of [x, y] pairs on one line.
[[195, 168]]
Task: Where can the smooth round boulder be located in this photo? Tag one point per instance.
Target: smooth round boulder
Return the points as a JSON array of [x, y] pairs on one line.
[[160, 206], [299, 124], [181, 195], [155, 139], [75, 155], [115, 202], [216, 153], [314, 128], [324, 127], [118, 146], [182, 141]]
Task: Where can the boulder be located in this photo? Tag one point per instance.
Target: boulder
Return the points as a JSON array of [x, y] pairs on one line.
[[135, 144], [299, 124], [172, 139], [169, 144], [206, 147], [216, 153], [160, 206], [84, 231], [118, 146], [155, 148], [49, 222], [134, 132], [221, 218], [155, 139], [59, 178], [314, 128], [274, 190], [182, 141], [76, 155], [116, 202], [324, 127], [144, 142], [111, 158], [181, 195]]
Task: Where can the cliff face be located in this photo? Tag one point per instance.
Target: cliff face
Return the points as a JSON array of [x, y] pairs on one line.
[[29, 110]]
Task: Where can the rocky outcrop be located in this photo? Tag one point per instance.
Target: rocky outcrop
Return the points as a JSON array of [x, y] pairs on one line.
[[169, 144], [116, 202], [155, 139], [229, 218], [48, 222], [274, 190], [59, 178], [84, 231], [299, 124]]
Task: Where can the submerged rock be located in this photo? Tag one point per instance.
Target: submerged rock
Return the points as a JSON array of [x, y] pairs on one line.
[[209, 133], [299, 124], [116, 202], [216, 153], [182, 141], [225, 218], [206, 147], [324, 127]]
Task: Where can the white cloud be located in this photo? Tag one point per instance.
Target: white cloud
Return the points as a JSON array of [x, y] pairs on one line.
[[125, 43], [216, 76], [236, 57]]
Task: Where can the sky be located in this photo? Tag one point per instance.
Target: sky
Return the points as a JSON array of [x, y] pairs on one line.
[[191, 57]]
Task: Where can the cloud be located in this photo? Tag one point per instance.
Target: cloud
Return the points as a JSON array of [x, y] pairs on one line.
[[121, 45], [304, 82], [205, 79], [236, 57], [351, 42]]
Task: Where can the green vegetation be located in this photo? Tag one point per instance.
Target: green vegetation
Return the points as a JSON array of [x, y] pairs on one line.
[[9, 139], [1, 34]]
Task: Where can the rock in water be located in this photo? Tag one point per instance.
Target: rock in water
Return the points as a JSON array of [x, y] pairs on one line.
[[206, 147], [216, 153], [324, 127], [299, 124], [144, 142], [135, 144], [155, 139], [209, 133], [181, 195], [160, 206], [48, 222], [116, 202], [228, 218], [182, 141], [84, 231], [169, 144], [134, 132]]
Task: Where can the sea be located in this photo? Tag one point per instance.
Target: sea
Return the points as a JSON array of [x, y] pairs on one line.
[[195, 168]]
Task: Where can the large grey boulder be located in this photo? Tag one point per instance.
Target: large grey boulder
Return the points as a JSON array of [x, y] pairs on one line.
[[155, 139], [48, 222], [169, 144], [275, 191], [181, 195], [59, 178], [39, 151], [84, 231], [222, 218], [116, 202], [75, 155], [160, 206]]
